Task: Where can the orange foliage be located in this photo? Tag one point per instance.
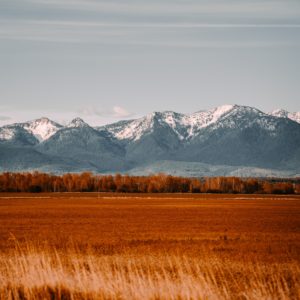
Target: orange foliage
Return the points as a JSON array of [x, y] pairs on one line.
[[160, 183]]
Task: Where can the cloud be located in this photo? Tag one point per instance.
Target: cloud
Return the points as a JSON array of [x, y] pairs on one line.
[[116, 112], [120, 112]]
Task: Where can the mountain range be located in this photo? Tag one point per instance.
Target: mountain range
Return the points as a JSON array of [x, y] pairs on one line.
[[227, 140]]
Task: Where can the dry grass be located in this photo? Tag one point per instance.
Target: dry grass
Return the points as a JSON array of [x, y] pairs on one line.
[[49, 274], [159, 247]]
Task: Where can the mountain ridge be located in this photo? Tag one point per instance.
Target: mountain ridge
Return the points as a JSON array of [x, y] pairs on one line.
[[43, 128], [230, 135]]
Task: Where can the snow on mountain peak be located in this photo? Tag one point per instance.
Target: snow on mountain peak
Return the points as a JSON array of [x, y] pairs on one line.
[[219, 111], [43, 120], [42, 128], [204, 118], [78, 123], [295, 116], [134, 129], [183, 125], [187, 126], [281, 113]]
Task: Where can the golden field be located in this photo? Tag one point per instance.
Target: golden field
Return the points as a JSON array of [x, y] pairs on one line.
[[149, 246]]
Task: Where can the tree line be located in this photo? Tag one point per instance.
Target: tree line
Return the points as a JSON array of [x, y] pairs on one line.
[[160, 183]]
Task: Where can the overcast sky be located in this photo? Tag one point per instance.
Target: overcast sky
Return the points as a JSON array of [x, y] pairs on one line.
[[118, 59]]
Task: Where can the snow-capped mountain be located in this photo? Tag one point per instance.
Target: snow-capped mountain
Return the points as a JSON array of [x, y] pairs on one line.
[[235, 136], [189, 126], [205, 118], [243, 117], [184, 125], [281, 113], [41, 129], [84, 144], [77, 123], [135, 129], [245, 136]]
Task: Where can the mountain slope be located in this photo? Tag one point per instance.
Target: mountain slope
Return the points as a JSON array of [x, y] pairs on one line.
[[245, 136], [15, 158], [198, 169], [81, 142], [16, 135]]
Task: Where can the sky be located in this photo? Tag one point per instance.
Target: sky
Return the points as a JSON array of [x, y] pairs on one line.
[[121, 59]]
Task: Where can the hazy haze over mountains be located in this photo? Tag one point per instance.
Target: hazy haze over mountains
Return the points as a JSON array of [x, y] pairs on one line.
[[226, 140]]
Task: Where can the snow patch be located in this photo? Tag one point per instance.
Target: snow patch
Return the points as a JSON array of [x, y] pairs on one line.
[[42, 128], [203, 119], [281, 113], [184, 126], [6, 133], [134, 129]]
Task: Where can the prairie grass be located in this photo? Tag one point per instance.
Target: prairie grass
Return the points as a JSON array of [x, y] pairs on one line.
[[35, 272], [89, 246]]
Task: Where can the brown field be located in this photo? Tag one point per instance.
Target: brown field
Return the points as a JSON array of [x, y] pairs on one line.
[[149, 246]]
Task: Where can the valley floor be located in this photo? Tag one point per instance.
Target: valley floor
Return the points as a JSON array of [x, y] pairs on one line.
[[149, 246]]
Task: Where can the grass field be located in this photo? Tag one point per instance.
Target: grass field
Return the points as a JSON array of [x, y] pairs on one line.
[[152, 246]]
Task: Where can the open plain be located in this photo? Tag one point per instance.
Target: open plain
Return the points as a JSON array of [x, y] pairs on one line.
[[149, 246]]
